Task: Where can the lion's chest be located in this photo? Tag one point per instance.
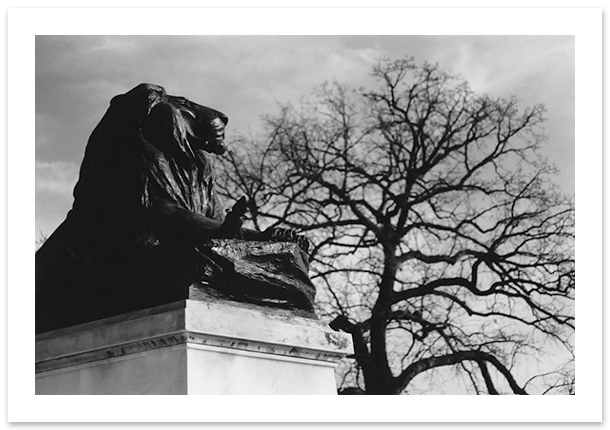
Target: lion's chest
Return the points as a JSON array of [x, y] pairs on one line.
[[190, 187]]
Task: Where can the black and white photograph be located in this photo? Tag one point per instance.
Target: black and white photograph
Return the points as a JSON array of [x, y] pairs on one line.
[[291, 214]]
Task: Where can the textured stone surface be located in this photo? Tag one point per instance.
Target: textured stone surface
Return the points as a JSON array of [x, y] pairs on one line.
[[162, 371], [192, 347]]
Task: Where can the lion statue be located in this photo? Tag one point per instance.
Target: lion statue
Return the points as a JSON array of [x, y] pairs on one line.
[[147, 227]]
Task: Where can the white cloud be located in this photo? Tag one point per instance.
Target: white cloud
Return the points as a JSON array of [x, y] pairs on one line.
[[46, 125], [56, 177]]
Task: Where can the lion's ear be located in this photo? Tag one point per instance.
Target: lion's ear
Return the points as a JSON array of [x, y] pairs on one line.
[[138, 102]]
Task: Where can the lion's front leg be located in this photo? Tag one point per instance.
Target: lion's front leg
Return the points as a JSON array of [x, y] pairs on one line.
[[232, 224], [278, 234]]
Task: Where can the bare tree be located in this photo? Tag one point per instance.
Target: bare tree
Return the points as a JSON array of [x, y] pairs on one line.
[[440, 243]]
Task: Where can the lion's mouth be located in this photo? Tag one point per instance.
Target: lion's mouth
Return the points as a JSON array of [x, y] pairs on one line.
[[214, 145], [217, 147]]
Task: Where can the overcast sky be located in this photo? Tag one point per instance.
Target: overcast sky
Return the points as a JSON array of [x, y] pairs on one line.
[[249, 76]]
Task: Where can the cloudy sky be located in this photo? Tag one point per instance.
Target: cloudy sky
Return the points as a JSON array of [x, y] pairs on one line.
[[249, 76]]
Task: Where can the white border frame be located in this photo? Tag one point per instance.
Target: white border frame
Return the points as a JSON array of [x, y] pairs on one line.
[[24, 24]]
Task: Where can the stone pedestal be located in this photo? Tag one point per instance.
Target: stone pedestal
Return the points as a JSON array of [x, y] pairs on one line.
[[192, 347]]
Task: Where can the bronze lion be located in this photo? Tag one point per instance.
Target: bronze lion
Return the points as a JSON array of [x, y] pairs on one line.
[[147, 226]]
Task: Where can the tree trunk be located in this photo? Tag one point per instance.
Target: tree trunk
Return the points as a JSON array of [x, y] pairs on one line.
[[380, 380]]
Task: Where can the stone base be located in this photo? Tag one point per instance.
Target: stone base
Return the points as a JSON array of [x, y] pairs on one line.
[[192, 347]]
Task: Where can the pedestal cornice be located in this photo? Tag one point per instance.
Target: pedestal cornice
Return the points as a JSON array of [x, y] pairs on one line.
[[219, 325]]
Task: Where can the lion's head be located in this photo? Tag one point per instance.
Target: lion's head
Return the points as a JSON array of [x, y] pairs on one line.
[[148, 142], [178, 120]]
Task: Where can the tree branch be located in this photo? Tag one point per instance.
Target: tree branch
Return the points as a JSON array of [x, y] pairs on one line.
[[425, 364]]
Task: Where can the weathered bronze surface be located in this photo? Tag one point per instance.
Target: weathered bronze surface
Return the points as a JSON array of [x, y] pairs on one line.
[[147, 226]]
